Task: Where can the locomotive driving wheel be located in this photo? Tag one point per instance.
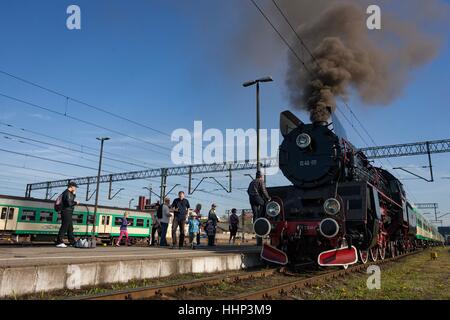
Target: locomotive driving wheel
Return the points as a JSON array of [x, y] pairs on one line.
[[373, 253], [392, 249], [382, 251], [364, 256]]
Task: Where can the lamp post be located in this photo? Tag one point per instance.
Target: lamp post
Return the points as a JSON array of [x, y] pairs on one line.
[[258, 165], [129, 203], [150, 190], [102, 140], [248, 84]]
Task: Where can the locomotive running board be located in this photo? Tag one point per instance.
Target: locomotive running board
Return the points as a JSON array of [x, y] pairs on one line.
[[274, 255], [338, 257]]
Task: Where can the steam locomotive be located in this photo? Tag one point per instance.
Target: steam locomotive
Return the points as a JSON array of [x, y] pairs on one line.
[[340, 208]]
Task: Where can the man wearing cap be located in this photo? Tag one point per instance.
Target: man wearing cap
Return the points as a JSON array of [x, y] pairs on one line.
[[181, 207], [258, 197], [212, 215], [68, 204]]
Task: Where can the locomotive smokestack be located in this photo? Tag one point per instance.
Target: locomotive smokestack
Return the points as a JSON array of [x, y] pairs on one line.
[[322, 120]]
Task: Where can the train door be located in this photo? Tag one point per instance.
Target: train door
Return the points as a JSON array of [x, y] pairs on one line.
[[11, 220], [8, 218], [3, 216], [105, 223]]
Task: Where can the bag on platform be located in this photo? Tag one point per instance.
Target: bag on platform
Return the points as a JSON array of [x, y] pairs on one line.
[[159, 212], [84, 243], [58, 203]]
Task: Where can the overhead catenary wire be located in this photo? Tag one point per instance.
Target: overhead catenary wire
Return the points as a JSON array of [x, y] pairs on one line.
[[32, 169], [69, 98], [143, 164], [47, 159], [21, 139], [90, 105], [34, 105]]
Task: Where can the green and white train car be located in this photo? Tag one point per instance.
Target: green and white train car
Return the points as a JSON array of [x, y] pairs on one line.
[[425, 232], [29, 219]]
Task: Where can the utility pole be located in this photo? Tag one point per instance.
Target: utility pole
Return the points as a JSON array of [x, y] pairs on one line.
[[102, 140]]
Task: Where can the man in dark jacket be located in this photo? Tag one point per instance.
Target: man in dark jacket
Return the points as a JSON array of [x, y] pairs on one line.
[[258, 198], [258, 195], [67, 205], [180, 208]]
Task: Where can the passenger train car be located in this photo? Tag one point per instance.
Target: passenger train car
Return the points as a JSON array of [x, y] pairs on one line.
[[29, 219]]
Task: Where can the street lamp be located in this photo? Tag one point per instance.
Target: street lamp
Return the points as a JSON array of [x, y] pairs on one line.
[[149, 194], [102, 140], [248, 84], [129, 203]]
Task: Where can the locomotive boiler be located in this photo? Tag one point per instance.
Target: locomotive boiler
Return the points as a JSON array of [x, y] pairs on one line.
[[339, 208]]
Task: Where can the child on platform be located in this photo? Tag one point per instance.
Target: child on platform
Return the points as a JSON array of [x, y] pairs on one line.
[[123, 229], [194, 228]]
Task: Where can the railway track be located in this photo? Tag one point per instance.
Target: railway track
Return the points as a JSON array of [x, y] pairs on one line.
[[162, 290], [279, 291], [284, 290]]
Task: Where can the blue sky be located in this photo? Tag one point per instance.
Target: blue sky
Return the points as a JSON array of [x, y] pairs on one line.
[[166, 64]]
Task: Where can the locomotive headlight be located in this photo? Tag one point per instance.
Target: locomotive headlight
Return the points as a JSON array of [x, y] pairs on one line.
[[303, 140], [329, 228], [273, 209], [332, 206], [262, 227]]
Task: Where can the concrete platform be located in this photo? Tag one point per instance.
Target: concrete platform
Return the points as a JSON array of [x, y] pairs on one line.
[[42, 269]]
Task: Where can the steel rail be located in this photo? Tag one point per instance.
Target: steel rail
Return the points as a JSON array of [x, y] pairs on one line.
[[283, 290], [163, 290]]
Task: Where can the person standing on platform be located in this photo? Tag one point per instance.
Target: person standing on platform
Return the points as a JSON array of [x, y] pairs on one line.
[[234, 223], [258, 197], [194, 229], [181, 207], [198, 209], [123, 230], [164, 221], [212, 215], [65, 204], [211, 233], [156, 225]]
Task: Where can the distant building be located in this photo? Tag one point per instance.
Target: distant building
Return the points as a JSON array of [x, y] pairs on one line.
[[445, 231]]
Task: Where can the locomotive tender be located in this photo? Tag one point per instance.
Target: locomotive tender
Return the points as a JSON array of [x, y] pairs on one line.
[[339, 206]]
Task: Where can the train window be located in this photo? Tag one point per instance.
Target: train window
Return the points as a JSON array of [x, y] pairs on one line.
[[77, 218], [90, 219], [46, 216], [28, 215], [139, 222], [354, 204], [131, 222], [3, 216], [11, 213], [148, 223], [349, 191], [118, 221]]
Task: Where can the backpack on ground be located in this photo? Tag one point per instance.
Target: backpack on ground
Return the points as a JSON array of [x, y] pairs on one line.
[[84, 243], [159, 212], [58, 203]]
